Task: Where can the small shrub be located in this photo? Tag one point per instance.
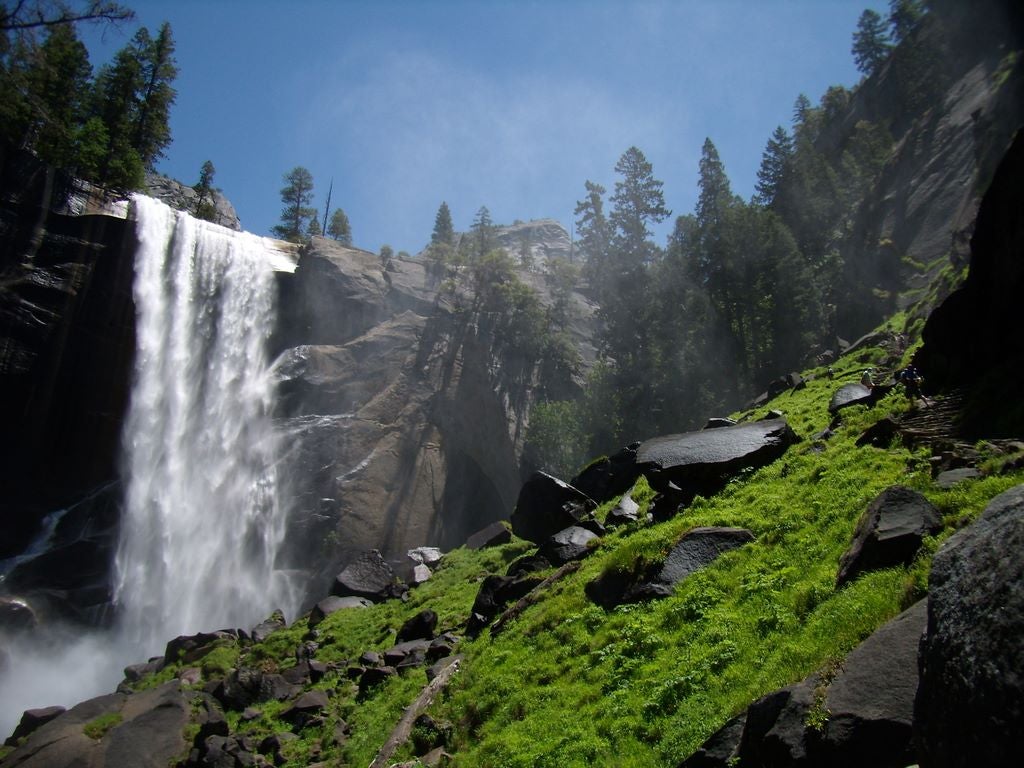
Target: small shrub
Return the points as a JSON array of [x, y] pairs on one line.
[[96, 729]]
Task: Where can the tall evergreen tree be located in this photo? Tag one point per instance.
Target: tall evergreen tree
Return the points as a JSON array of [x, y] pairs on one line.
[[870, 46], [483, 232], [205, 207], [339, 227], [152, 132], [117, 87], [637, 202], [595, 236], [297, 195], [904, 16], [444, 231], [776, 157]]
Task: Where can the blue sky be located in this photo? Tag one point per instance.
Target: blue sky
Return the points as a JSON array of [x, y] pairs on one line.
[[512, 105]]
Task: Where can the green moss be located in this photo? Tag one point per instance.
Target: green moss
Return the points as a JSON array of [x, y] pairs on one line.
[[96, 729]]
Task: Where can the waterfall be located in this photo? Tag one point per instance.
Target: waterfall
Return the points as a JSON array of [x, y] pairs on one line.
[[203, 520]]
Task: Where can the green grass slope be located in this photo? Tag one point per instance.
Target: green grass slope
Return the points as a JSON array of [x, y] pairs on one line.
[[570, 684]]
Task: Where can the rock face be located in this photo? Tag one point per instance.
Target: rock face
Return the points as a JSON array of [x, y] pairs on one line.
[[144, 729], [889, 533], [970, 705], [183, 198], [407, 424]]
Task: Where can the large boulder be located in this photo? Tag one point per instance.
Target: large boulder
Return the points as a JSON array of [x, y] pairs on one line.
[[330, 605], [970, 704], [494, 594], [702, 462], [142, 730], [696, 549], [889, 533], [610, 476], [493, 535], [368, 576], [419, 627], [547, 505], [854, 393], [573, 543]]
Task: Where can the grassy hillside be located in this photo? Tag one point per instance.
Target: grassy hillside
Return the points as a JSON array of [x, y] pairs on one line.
[[569, 684]]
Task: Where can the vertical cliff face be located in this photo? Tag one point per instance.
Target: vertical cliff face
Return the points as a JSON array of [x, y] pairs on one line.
[[405, 422], [66, 344]]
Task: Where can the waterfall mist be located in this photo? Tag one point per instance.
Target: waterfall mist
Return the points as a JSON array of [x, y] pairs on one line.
[[202, 521]]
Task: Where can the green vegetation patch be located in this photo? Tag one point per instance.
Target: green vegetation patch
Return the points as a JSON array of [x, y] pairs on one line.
[[96, 729]]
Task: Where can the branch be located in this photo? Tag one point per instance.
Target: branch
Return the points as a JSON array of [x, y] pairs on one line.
[[44, 14]]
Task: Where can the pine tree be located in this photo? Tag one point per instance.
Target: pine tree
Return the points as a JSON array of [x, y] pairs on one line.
[[483, 232], [313, 228], [870, 47], [637, 202], [297, 194], [339, 228], [117, 87], [152, 132], [594, 233], [205, 207], [444, 232], [904, 16], [776, 157]]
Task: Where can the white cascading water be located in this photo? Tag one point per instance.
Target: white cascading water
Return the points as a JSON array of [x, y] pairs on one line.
[[203, 521]]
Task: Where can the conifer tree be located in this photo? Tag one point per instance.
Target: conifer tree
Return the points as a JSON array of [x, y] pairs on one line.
[[870, 46], [297, 195], [152, 132], [339, 227], [205, 208], [776, 157], [904, 16], [637, 202], [444, 232], [483, 232]]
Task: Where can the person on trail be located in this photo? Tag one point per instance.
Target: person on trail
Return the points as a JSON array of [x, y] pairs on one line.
[[830, 373], [866, 379], [912, 383]]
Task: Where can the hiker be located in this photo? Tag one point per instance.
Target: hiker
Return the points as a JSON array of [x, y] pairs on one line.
[[866, 379], [912, 381], [830, 373]]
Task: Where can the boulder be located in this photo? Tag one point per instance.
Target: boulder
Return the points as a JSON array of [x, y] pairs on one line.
[[189, 648], [529, 563], [702, 462], [494, 594], [428, 556], [420, 575], [262, 631], [870, 702], [30, 720], [717, 422], [147, 735], [970, 704], [308, 707], [330, 605], [374, 676], [546, 505], [856, 393], [567, 545], [625, 512], [608, 477], [407, 654], [695, 550], [775, 732], [722, 749], [951, 477], [494, 535], [368, 576], [889, 533], [419, 627], [16, 615]]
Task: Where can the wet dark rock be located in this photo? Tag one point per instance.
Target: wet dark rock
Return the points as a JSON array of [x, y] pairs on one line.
[[717, 422], [262, 631], [530, 563], [609, 477], [702, 462], [306, 707], [722, 749], [547, 505], [209, 716], [189, 648], [16, 615], [31, 719], [317, 670], [297, 675], [856, 393], [494, 535], [880, 434], [625, 512], [695, 550], [373, 677], [148, 735], [870, 703], [409, 652], [970, 704], [135, 672], [494, 594], [369, 576], [775, 732], [573, 543], [889, 533], [371, 659], [419, 627], [329, 605], [951, 477], [247, 685]]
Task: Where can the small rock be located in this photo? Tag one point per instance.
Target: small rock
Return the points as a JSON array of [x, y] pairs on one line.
[[419, 627]]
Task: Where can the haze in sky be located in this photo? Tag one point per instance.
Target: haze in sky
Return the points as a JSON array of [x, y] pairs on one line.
[[512, 105]]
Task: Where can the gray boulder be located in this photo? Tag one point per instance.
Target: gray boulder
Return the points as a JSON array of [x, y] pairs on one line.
[[330, 605], [696, 549], [610, 476], [494, 535], [567, 545], [702, 462], [857, 394], [969, 709], [262, 631], [368, 576], [419, 627], [889, 533], [547, 505], [31, 719]]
